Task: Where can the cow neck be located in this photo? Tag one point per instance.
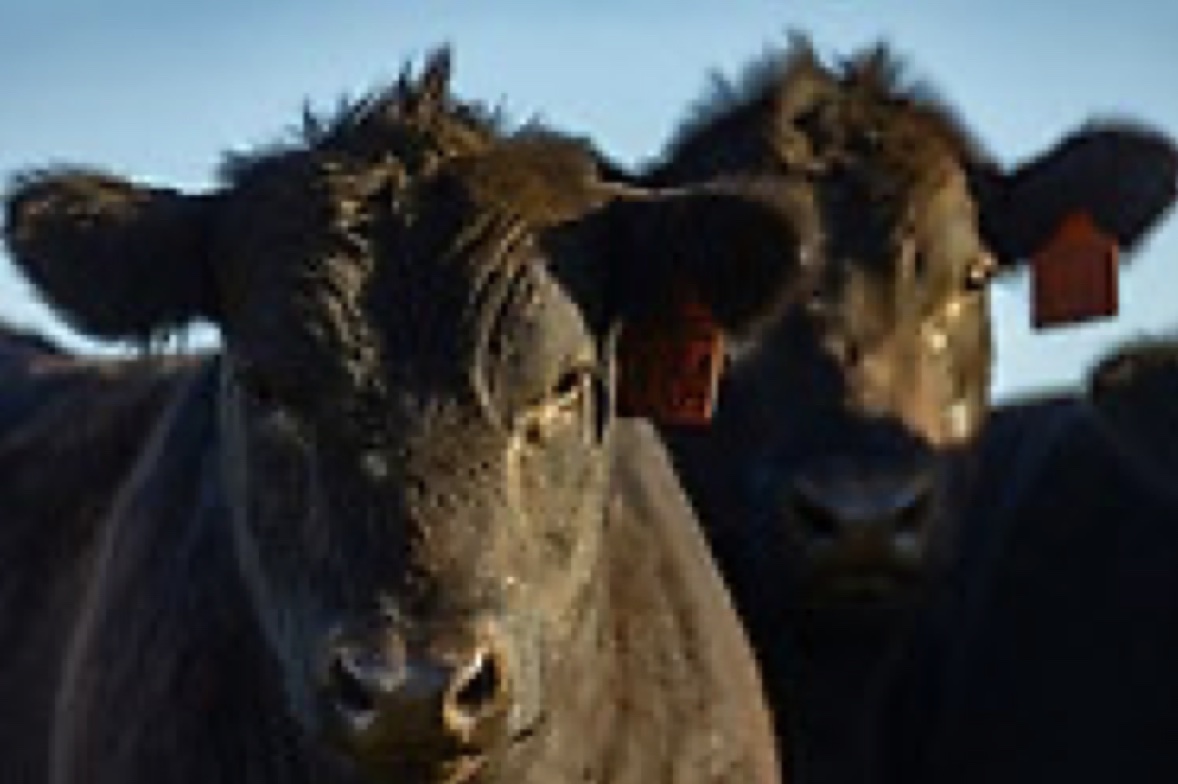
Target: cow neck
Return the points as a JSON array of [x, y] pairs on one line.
[[580, 715], [1016, 445], [837, 665]]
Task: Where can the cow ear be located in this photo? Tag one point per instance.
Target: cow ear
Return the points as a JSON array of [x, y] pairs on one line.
[[1123, 176], [740, 252], [117, 260], [687, 267]]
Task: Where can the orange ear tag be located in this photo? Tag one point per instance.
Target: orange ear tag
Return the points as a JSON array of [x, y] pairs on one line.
[[669, 366], [1074, 276]]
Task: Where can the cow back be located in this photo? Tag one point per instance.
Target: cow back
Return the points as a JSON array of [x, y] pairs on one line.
[[69, 430], [1053, 658]]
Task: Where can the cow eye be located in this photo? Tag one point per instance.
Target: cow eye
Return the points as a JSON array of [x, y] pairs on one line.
[[567, 400], [262, 392], [258, 390], [981, 271], [936, 339], [572, 385]]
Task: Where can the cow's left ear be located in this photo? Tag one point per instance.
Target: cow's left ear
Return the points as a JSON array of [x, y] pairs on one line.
[[1123, 176], [741, 252], [115, 258]]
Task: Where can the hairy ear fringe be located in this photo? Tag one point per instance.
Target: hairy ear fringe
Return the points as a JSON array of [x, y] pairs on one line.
[[116, 260]]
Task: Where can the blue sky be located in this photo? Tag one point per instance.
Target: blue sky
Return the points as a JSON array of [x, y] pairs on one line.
[[158, 90]]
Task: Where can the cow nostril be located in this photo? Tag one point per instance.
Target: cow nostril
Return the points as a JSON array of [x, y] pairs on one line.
[[480, 689], [913, 516], [348, 692], [356, 680], [477, 692], [820, 522]]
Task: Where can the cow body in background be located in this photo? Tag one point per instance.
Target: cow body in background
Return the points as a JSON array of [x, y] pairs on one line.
[[70, 432], [393, 531], [843, 455], [1051, 655]]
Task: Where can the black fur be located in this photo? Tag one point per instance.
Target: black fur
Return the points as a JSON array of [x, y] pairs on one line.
[[1051, 658]]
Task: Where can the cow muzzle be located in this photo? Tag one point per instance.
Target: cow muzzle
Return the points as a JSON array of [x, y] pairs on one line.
[[864, 530], [395, 700]]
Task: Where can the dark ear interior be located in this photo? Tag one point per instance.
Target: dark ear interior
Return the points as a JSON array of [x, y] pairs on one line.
[[741, 251], [1123, 175], [115, 259], [1135, 394]]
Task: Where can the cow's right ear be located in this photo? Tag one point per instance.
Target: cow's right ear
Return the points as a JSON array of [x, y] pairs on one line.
[[1124, 176], [116, 259]]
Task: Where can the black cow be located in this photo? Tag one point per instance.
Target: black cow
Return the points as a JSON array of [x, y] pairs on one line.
[[393, 531], [834, 475], [1052, 657]]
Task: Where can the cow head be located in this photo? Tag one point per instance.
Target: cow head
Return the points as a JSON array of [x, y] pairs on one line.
[[830, 445], [418, 315]]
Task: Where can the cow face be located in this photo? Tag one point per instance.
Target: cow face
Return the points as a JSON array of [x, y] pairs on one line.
[[416, 419], [892, 350], [418, 323], [850, 480]]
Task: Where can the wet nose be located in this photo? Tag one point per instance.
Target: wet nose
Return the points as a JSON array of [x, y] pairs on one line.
[[389, 698], [885, 508]]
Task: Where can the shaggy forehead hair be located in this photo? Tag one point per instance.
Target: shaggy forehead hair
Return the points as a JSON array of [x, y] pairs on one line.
[[416, 119], [404, 134], [412, 208], [790, 110]]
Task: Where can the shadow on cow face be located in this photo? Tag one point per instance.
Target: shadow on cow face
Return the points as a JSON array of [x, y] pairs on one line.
[[836, 441], [834, 422], [418, 321]]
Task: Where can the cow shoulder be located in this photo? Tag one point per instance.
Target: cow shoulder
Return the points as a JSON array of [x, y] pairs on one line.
[[166, 587]]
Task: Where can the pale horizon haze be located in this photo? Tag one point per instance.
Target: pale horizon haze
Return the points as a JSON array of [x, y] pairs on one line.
[[160, 91]]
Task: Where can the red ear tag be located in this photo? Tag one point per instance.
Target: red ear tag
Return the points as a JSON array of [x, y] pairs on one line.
[[669, 366], [1074, 276]]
